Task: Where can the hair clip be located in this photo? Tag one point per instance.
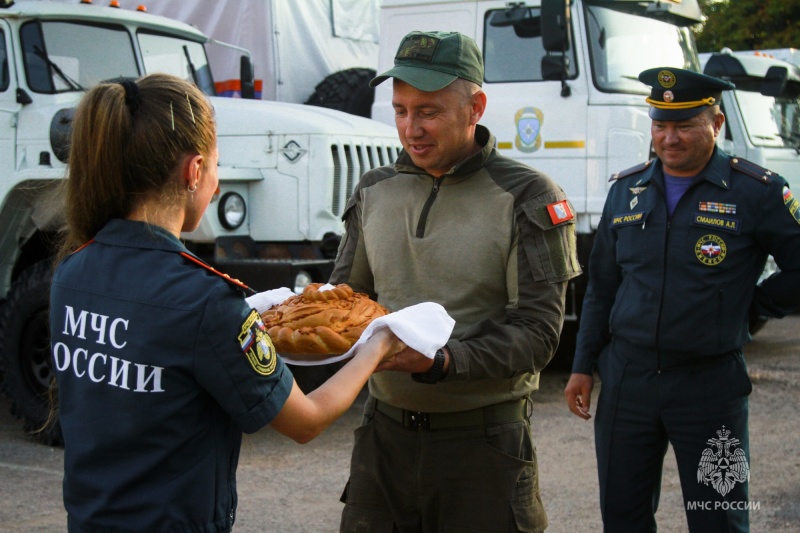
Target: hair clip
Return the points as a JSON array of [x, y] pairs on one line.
[[190, 107], [172, 115]]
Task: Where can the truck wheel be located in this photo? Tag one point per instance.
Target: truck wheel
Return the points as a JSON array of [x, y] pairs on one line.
[[25, 351], [346, 90]]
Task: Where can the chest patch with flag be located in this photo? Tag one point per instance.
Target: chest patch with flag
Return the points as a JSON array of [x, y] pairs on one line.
[[560, 212], [256, 344]]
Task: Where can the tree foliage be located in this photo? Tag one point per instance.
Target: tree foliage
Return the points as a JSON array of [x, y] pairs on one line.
[[748, 25]]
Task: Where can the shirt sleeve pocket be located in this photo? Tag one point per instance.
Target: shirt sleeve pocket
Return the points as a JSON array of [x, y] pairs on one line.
[[547, 236]]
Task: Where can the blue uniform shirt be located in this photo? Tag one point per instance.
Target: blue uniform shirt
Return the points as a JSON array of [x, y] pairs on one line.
[[682, 289], [160, 366]]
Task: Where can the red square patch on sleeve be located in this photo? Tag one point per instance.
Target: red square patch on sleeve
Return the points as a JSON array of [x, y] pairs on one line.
[[560, 212]]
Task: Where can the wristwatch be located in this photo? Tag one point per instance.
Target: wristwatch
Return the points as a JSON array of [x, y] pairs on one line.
[[434, 373]]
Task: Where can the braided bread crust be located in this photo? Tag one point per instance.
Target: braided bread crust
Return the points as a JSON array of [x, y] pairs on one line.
[[320, 323]]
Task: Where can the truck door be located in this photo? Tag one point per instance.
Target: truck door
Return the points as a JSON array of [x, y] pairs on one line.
[[536, 109]]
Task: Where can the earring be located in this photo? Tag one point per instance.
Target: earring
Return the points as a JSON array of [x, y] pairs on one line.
[[192, 188]]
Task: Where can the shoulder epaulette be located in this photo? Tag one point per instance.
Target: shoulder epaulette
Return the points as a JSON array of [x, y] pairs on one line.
[[751, 169], [632, 170], [226, 277]]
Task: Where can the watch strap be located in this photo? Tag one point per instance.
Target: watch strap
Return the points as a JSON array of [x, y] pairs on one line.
[[435, 373]]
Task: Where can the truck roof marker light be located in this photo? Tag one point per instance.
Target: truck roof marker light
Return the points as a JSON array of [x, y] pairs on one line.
[[114, 3], [142, 8], [86, 1]]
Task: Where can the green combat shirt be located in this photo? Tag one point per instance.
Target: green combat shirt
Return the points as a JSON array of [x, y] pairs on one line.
[[493, 242]]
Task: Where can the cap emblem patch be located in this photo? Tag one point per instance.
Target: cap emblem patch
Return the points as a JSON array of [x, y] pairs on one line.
[[666, 79], [668, 96], [418, 47]]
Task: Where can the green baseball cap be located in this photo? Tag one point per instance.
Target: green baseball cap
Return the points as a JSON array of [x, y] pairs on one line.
[[430, 61]]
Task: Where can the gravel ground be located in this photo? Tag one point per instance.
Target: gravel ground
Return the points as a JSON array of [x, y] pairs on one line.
[[286, 487]]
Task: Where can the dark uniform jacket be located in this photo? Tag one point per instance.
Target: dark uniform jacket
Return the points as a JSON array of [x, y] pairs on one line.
[[681, 290], [160, 365]]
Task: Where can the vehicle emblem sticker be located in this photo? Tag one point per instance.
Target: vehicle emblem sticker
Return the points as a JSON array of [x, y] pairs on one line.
[[529, 125], [710, 250], [721, 465]]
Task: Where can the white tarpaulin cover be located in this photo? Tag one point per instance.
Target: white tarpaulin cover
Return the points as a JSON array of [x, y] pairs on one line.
[[294, 44]]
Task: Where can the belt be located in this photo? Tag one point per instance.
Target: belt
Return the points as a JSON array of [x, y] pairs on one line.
[[500, 413]]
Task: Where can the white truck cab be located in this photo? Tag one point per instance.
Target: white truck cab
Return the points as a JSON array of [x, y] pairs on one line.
[[561, 79], [286, 170], [763, 112]]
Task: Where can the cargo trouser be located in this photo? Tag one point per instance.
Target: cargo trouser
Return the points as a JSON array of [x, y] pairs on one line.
[[410, 474]]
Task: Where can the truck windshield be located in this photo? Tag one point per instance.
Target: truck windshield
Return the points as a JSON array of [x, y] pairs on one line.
[[622, 45], [69, 56], [179, 57], [770, 121]]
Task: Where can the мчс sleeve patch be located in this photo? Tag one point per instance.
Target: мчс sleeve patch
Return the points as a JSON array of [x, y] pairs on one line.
[[256, 345]]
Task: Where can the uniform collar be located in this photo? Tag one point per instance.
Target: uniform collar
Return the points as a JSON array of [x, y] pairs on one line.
[[475, 162], [135, 234], [716, 172]]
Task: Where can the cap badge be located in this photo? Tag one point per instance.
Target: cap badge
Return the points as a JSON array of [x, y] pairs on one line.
[[668, 96], [419, 47], [666, 79]]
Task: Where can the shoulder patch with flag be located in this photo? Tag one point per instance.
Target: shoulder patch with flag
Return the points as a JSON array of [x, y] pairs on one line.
[[792, 204], [256, 344], [560, 212]]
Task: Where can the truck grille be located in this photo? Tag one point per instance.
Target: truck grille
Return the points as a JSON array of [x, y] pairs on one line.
[[350, 161]]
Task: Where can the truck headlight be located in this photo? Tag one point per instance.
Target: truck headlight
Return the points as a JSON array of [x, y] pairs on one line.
[[301, 281], [232, 210]]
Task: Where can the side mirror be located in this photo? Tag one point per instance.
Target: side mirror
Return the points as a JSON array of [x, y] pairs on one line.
[[553, 67], [556, 28], [774, 81], [247, 78]]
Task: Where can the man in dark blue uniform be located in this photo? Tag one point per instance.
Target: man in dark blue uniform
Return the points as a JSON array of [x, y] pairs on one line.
[[672, 281]]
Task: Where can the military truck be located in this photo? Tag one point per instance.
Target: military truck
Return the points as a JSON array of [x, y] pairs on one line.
[[562, 84], [286, 170], [763, 112], [318, 52], [762, 117]]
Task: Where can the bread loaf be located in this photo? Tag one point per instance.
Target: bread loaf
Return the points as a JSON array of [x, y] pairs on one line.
[[320, 323]]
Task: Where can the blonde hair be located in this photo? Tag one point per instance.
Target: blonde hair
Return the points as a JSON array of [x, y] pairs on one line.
[[128, 140]]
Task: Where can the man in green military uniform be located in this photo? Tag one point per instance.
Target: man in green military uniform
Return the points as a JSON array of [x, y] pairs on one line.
[[672, 282]]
